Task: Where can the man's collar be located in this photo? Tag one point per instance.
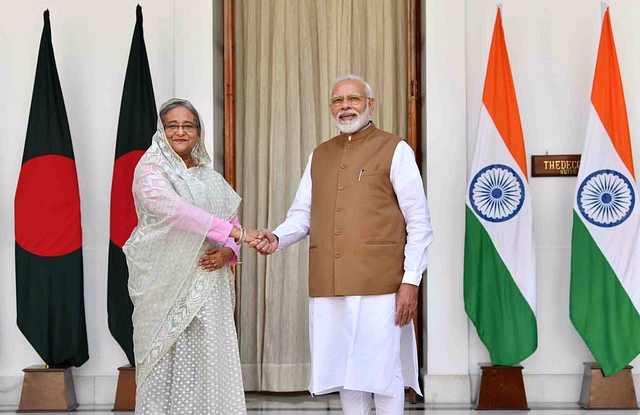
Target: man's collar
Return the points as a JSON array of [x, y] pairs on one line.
[[365, 131]]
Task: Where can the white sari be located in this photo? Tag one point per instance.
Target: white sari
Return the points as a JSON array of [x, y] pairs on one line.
[[180, 310]]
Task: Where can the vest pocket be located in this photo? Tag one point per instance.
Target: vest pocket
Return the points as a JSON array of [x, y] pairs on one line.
[[378, 243], [313, 246], [370, 172]]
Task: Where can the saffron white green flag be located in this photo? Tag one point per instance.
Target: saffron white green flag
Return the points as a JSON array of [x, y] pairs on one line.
[[605, 250], [499, 252]]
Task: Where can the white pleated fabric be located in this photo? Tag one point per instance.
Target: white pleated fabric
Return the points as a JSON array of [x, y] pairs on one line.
[[201, 373], [352, 339]]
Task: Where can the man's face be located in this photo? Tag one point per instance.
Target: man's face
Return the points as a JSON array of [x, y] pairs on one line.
[[350, 107]]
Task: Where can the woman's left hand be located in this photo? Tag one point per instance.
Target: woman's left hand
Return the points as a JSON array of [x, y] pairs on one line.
[[215, 258]]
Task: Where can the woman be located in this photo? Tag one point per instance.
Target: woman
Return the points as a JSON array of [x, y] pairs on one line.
[[185, 343]]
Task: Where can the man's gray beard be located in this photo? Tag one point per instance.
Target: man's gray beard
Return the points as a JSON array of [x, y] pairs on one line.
[[353, 126]]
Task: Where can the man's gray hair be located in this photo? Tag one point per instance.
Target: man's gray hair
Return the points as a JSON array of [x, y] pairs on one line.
[[179, 103], [350, 77]]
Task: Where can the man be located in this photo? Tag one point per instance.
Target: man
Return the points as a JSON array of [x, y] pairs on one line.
[[362, 202]]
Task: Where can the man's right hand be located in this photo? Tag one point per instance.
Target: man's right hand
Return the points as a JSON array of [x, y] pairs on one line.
[[266, 243]]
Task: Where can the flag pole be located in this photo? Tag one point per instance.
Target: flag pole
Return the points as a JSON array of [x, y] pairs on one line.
[[608, 382], [51, 255], [136, 125], [479, 285]]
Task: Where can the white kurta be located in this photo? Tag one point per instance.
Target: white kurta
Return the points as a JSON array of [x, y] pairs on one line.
[[355, 343]]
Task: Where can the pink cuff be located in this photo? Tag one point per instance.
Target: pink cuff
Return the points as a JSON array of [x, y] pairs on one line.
[[219, 230], [231, 243]]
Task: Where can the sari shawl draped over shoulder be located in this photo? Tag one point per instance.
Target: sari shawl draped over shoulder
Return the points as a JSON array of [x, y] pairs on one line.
[[175, 207]]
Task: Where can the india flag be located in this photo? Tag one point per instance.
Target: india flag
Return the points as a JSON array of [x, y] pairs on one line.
[[499, 252], [605, 250]]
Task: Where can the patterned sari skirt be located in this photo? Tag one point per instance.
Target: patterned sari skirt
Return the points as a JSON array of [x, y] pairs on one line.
[[201, 372]]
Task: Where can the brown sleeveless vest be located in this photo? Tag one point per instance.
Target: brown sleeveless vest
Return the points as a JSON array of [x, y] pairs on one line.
[[358, 233]]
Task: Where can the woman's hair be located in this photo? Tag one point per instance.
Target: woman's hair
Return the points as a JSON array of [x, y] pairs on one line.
[[180, 103]]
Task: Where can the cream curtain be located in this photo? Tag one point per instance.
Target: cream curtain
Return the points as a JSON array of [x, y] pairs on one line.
[[287, 54]]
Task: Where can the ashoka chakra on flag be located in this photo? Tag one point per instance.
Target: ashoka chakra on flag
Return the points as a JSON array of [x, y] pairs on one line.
[[606, 198], [496, 193]]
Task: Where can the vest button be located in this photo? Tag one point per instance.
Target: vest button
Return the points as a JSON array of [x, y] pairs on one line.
[[339, 209], [340, 187], [348, 146], [337, 232], [343, 166], [337, 255]]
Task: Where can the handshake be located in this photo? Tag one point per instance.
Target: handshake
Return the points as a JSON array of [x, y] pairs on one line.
[[262, 241], [265, 242]]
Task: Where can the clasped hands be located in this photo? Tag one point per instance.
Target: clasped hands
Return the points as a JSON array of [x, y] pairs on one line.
[[266, 243], [262, 241]]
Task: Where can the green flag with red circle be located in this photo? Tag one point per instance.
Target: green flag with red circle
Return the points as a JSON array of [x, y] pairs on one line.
[[48, 232], [136, 126]]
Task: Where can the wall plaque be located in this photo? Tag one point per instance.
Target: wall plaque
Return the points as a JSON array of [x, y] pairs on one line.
[[555, 165]]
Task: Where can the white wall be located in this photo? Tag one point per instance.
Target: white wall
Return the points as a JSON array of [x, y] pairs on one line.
[[446, 324], [552, 48], [91, 42]]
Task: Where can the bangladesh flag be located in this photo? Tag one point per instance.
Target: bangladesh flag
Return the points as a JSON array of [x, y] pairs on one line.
[[499, 251], [605, 249], [136, 126], [49, 281]]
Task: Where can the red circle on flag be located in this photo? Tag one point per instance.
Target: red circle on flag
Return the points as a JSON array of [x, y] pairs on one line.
[[123, 211], [47, 206]]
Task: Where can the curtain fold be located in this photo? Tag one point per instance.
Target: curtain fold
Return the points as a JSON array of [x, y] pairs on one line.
[[287, 55]]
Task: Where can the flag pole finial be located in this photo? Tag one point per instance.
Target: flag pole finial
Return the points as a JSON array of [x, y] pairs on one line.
[[603, 8]]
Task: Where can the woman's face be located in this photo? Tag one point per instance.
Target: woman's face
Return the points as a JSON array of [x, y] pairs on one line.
[[181, 129]]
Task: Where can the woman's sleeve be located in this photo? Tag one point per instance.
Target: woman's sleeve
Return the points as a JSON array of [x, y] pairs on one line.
[[231, 243], [155, 196]]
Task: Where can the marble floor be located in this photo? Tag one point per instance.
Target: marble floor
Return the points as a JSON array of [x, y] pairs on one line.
[[287, 404]]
